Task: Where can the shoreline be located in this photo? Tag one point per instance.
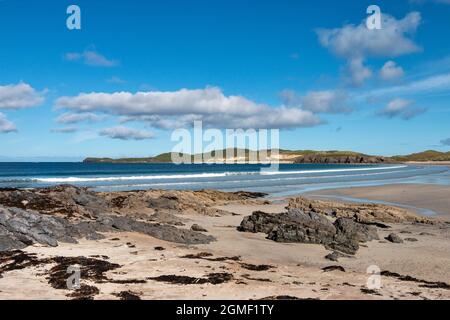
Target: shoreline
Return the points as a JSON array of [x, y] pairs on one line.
[[421, 196]]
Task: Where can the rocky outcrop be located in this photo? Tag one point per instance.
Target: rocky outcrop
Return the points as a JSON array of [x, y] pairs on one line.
[[295, 225], [319, 158], [367, 213], [66, 213], [80, 203], [20, 228], [65, 201]]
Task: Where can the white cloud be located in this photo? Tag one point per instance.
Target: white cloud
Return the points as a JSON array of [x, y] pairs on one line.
[[435, 83], [209, 105], [91, 58], [392, 40], [356, 72], [64, 130], [78, 117], [18, 96], [124, 133], [6, 126], [327, 101], [401, 108], [356, 42], [390, 71]]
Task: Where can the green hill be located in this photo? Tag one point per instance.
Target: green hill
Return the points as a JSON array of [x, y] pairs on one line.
[[429, 155]]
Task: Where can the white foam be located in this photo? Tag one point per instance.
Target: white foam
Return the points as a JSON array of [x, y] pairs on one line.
[[331, 170], [201, 175], [146, 177]]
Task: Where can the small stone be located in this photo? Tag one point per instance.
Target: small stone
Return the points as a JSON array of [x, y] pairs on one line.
[[394, 238], [198, 228]]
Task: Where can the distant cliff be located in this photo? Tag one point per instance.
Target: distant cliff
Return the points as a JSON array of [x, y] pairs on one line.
[[245, 155], [321, 158]]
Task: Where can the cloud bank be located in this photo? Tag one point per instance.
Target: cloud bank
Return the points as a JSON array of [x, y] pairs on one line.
[[355, 43], [124, 133], [391, 71], [19, 96], [177, 108], [401, 108]]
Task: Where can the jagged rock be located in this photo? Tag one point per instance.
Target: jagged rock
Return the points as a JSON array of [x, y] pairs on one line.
[[298, 226], [367, 213], [166, 218], [65, 201], [20, 228], [196, 227], [320, 158], [394, 238], [80, 203], [358, 231]]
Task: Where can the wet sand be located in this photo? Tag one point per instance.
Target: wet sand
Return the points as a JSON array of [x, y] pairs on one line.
[[422, 196]]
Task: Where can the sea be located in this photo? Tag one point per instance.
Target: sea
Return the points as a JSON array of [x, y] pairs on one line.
[[287, 180]]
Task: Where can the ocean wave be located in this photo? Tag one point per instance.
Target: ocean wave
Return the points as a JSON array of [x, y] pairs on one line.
[[203, 175], [137, 178], [268, 172], [162, 184]]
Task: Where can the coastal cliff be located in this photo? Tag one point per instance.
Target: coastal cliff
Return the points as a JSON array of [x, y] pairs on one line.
[[245, 155]]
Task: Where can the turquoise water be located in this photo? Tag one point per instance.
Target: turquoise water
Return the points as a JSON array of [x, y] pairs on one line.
[[290, 179]]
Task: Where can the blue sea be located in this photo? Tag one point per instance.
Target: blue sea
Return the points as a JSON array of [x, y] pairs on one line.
[[290, 179]]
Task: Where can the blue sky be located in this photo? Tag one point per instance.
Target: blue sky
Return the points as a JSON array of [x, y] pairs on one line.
[[136, 70]]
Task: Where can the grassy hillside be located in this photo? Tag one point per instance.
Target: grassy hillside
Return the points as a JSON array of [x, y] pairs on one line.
[[249, 154], [429, 155]]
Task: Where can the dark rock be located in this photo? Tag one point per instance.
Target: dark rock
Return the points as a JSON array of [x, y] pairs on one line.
[[298, 226], [424, 283], [333, 268], [167, 218], [411, 239], [370, 291], [20, 228], [164, 202], [394, 238], [212, 278], [321, 158], [127, 295], [160, 231], [358, 231], [254, 267], [196, 227], [85, 292], [282, 297]]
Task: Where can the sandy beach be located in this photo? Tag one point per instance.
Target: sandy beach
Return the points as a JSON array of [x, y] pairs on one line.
[[145, 264], [425, 196]]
